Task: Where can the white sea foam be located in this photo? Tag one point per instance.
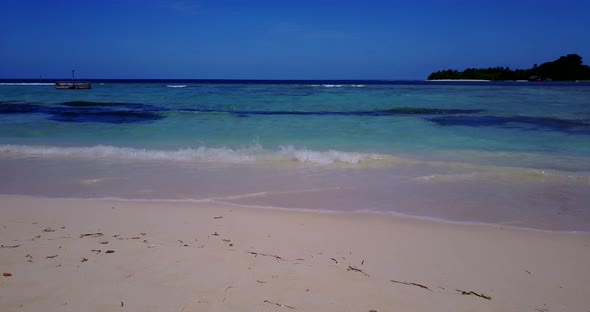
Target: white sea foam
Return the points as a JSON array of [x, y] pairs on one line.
[[323, 157], [176, 86], [339, 85], [222, 154], [26, 84], [247, 155]]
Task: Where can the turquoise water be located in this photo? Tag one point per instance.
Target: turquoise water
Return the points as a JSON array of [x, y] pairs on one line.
[[328, 134]]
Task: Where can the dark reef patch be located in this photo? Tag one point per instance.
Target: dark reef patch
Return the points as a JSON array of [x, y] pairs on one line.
[[113, 105], [517, 122], [24, 108], [370, 113], [104, 116], [430, 111], [120, 113], [80, 111]]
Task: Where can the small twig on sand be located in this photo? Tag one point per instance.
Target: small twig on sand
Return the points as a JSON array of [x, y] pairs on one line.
[[462, 292], [411, 284], [91, 235], [471, 292], [279, 304], [355, 269], [266, 255], [272, 256], [6, 246]]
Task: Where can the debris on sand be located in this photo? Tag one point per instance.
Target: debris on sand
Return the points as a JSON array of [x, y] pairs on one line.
[[355, 269], [7, 246], [91, 235], [471, 292], [279, 304], [410, 284]]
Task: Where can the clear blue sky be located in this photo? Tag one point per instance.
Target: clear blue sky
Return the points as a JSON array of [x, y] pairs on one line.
[[274, 39]]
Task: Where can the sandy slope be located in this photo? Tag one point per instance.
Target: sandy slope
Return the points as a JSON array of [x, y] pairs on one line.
[[205, 257]]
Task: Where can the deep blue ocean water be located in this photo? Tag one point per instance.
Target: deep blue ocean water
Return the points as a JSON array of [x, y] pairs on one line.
[[377, 127]]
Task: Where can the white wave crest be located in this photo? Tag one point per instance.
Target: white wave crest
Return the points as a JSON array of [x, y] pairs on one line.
[[176, 86], [26, 84], [225, 155], [324, 157], [222, 154], [339, 85]]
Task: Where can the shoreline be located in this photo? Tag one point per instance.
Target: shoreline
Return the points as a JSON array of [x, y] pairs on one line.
[[326, 211], [213, 257], [455, 192]]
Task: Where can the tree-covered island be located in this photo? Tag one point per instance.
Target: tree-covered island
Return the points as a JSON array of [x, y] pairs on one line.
[[567, 67]]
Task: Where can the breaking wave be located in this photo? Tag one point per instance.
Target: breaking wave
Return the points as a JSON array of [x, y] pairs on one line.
[[339, 85], [248, 155]]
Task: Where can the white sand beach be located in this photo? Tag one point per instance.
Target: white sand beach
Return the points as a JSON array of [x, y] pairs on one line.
[[110, 255]]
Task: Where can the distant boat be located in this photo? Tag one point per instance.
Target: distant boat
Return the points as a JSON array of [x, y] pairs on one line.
[[73, 84]]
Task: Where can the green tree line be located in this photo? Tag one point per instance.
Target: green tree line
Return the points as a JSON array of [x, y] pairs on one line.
[[567, 67]]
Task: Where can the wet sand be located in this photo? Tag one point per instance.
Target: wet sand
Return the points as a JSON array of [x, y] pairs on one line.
[[110, 255], [548, 200]]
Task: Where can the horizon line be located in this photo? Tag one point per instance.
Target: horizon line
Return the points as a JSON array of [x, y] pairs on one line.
[[53, 79]]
